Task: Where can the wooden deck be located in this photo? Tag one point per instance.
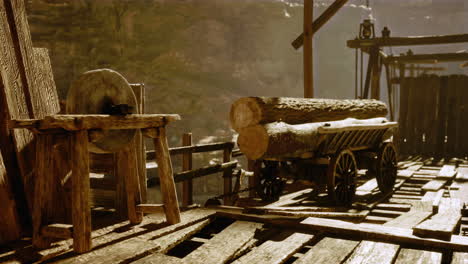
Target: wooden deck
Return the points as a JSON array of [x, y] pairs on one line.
[[422, 221]]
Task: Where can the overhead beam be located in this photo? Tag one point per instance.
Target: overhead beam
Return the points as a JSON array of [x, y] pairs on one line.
[[407, 41], [320, 21], [427, 58]]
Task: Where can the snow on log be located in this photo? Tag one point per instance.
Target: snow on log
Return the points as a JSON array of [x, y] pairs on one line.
[[280, 140], [251, 111]]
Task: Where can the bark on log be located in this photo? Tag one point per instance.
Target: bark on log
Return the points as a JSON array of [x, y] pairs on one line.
[[250, 111], [280, 140]]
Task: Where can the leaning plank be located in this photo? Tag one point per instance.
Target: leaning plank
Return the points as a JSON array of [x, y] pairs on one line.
[[222, 247], [124, 251], [372, 252], [414, 256], [447, 172], [15, 105], [381, 233], [434, 185], [328, 250], [459, 258], [276, 251], [443, 224]]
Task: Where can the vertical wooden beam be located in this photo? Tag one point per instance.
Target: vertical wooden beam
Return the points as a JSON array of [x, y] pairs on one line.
[[252, 182], [166, 176], [227, 176], [187, 186], [390, 92], [81, 211], [308, 50], [41, 193], [376, 72], [138, 89]]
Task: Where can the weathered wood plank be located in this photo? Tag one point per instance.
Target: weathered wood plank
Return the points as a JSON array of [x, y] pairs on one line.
[[57, 231], [167, 242], [381, 233], [462, 174], [434, 185], [443, 224], [459, 258], [222, 247], [372, 252], [13, 92], [447, 172], [276, 251], [368, 186], [117, 253], [79, 122], [158, 258], [414, 256], [405, 174], [328, 250]]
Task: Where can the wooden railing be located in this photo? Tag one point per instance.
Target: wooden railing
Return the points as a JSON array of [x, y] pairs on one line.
[[187, 174]]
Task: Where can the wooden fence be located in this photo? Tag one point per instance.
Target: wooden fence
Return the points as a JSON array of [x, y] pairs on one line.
[[434, 116]]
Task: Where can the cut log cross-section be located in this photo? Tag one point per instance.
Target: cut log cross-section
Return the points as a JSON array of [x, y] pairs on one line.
[[251, 111]]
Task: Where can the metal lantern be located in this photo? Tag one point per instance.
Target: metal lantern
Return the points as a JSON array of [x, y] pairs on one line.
[[366, 29]]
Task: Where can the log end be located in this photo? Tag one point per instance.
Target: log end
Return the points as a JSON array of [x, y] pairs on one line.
[[245, 112], [253, 142]]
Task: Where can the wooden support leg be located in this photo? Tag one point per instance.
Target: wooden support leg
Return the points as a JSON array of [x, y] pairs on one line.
[[251, 167], [81, 211], [42, 190], [168, 190], [120, 193], [127, 169], [187, 187], [227, 176]]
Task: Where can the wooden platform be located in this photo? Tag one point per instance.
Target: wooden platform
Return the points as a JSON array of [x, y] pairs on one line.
[[295, 229]]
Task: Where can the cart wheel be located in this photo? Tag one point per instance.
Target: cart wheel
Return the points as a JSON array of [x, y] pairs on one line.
[[341, 174], [270, 185], [386, 167]]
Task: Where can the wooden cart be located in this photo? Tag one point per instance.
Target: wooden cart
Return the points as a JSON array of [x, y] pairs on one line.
[[335, 163]]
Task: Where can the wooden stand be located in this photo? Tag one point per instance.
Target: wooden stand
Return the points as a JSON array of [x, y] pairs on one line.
[[79, 130]]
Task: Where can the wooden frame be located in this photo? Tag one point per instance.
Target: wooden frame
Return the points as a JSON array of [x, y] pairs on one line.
[[76, 128]]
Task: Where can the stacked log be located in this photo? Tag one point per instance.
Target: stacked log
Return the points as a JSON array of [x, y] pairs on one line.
[[250, 111], [272, 128]]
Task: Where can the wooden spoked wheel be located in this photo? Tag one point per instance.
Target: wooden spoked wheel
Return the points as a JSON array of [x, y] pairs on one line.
[[342, 172], [269, 185], [386, 167]]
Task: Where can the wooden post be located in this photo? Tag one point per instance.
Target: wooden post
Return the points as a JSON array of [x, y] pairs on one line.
[[81, 211], [42, 190], [168, 190], [127, 169], [187, 187], [308, 50], [376, 72], [120, 202], [139, 91], [227, 176]]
